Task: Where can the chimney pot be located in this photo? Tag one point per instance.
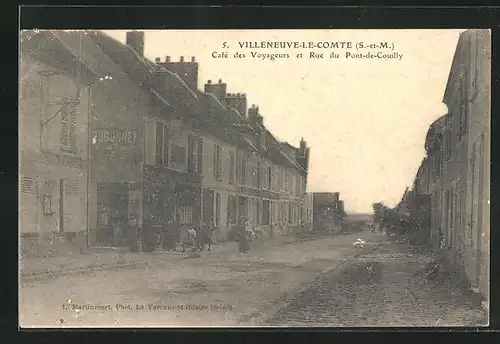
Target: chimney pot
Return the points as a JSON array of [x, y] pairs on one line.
[[220, 81], [193, 59], [253, 106], [182, 59], [209, 81], [167, 58], [157, 60]]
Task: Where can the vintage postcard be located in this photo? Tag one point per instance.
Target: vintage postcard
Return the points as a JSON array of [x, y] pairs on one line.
[[241, 178]]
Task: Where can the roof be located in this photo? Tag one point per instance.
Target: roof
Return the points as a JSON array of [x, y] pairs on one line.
[[168, 85], [172, 90], [453, 78]]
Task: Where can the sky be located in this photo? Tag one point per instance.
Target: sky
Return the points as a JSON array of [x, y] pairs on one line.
[[365, 120]]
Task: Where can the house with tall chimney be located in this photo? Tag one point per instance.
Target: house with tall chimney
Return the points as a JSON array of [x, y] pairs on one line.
[[149, 148], [211, 134]]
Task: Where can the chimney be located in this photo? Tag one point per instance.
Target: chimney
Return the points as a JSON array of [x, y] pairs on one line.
[[135, 40], [237, 101], [219, 90], [186, 70], [253, 114], [157, 60], [302, 154]]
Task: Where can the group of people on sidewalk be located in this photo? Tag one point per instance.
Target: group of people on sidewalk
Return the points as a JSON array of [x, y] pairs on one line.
[[166, 234]]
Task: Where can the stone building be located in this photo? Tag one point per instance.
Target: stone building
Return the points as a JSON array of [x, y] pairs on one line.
[[458, 156], [54, 109], [327, 211], [111, 140]]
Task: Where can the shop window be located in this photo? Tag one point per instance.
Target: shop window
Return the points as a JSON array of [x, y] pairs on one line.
[[186, 214]]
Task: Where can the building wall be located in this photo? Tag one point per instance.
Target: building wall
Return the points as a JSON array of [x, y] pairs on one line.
[[46, 158], [221, 182], [459, 186], [117, 139], [478, 208]]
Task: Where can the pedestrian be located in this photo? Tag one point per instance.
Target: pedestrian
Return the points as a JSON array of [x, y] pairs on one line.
[[188, 238], [240, 237], [248, 235]]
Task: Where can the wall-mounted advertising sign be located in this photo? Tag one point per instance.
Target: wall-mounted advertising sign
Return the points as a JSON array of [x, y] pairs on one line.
[[123, 136]]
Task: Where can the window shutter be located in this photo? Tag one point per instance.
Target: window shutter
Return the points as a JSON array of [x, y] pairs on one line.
[[200, 156], [65, 127], [215, 162], [150, 148]]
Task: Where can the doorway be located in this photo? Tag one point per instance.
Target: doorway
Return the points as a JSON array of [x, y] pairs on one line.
[[112, 213]]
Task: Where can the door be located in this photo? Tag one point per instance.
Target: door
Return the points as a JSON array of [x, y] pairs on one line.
[[104, 234], [61, 205]]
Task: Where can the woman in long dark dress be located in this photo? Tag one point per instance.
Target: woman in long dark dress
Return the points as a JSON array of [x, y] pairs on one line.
[[208, 240]]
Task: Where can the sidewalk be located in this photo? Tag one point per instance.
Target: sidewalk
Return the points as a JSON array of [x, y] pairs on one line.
[[39, 268]]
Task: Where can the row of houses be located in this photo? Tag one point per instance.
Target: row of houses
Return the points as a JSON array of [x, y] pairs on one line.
[[110, 140], [454, 175]]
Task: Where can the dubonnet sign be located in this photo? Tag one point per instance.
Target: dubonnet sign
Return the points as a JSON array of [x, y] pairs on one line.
[[124, 136]]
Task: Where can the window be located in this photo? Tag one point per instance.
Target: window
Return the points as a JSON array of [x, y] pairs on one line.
[[186, 214], [191, 154], [231, 167], [217, 209], [47, 205], [178, 154], [159, 144], [165, 145], [241, 168], [199, 163], [266, 215], [217, 168], [270, 176], [258, 175], [68, 126], [258, 210]]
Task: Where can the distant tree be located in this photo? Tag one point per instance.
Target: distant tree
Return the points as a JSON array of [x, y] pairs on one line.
[[378, 212]]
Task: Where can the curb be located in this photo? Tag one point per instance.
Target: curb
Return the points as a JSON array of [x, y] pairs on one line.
[[46, 275], [42, 276]]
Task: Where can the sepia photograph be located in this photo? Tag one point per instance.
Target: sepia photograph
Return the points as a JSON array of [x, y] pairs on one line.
[[254, 178]]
